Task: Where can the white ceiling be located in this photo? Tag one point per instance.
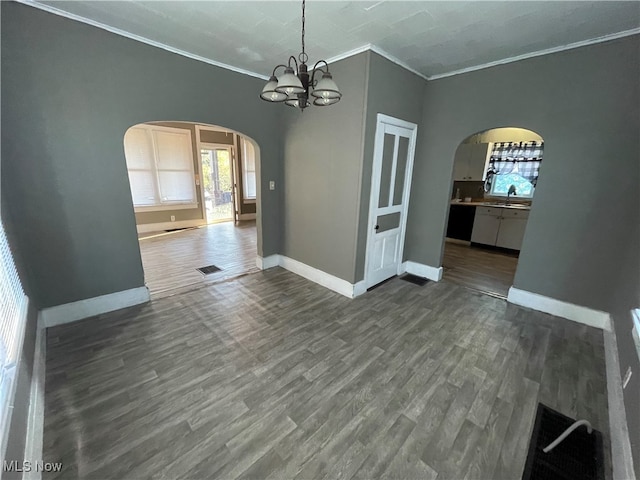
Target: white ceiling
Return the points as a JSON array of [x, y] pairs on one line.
[[432, 38]]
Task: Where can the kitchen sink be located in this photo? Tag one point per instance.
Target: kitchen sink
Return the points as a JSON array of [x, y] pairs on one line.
[[506, 205]]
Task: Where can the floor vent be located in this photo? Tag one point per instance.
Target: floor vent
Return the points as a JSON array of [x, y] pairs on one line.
[[580, 455], [208, 270], [416, 280]]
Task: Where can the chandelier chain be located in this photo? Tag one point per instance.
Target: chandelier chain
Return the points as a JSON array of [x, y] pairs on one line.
[[303, 5]]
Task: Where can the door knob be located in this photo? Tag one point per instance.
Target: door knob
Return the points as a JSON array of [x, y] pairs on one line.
[[376, 227]]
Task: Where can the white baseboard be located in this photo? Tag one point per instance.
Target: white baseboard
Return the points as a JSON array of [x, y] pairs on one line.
[[325, 279], [621, 456], [421, 270], [264, 263], [157, 227], [457, 241], [70, 312], [359, 288], [35, 424], [247, 216], [577, 313]]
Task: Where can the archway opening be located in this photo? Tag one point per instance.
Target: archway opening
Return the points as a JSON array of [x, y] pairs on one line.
[[495, 176], [194, 194]]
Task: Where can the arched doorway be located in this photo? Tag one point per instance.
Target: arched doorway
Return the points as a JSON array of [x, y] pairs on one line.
[[494, 180], [194, 194]]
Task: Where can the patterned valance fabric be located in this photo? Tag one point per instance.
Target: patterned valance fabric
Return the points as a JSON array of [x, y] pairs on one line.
[[523, 158]]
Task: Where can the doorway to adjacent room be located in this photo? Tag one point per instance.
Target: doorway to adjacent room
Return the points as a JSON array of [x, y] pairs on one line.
[[194, 195], [218, 182], [495, 175]]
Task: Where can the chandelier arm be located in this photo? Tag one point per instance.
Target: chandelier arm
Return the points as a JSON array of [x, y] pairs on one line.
[[294, 61], [315, 69], [276, 68], [319, 62]]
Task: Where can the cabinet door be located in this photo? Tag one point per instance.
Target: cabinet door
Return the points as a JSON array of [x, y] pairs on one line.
[[511, 232], [485, 228], [461, 162], [477, 161]]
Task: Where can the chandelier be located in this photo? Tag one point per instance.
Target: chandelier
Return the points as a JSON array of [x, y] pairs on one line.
[[293, 87]]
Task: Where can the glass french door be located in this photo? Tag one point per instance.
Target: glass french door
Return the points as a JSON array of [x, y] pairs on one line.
[[218, 184]]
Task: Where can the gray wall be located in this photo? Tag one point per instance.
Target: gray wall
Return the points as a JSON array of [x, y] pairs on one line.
[[73, 92], [581, 243], [20, 413], [394, 91], [583, 102], [209, 136], [323, 161], [626, 297]]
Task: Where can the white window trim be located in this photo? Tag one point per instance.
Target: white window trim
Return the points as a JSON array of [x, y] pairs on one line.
[[635, 331], [165, 206], [12, 369], [245, 198]]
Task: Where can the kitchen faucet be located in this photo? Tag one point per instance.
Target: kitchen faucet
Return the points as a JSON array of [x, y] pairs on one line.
[[512, 191]]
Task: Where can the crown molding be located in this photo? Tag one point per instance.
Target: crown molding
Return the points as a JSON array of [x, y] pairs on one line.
[[373, 48], [349, 53], [138, 38], [539, 53], [342, 56]]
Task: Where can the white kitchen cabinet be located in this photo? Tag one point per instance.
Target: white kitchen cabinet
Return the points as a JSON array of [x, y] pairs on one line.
[[461, 162], [512, 226], [500, 227], [486, 225], [470, 161]]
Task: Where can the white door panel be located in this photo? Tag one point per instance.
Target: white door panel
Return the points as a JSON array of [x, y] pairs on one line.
[[390, 183]]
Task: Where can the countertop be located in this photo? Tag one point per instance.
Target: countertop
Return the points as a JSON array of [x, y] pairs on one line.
[[494, 204]]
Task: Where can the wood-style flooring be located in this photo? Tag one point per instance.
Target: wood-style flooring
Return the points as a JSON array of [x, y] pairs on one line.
[[170, 261], [485, 270], [271, 376]]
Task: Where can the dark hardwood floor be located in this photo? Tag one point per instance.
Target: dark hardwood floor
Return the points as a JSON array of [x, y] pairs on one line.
[[482, 269], [272, 376], [170, 260]]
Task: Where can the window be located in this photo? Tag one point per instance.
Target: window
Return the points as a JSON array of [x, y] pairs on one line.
[[160, 166], [635, 332], [13, 304], [248, 170], [517, 164], [501, 184]]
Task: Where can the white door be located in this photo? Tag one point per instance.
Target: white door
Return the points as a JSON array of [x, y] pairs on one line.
[[394, 149], [218, 182]]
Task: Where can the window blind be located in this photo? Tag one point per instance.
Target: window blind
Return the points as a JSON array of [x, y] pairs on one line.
[[160, 166], [13, 303]]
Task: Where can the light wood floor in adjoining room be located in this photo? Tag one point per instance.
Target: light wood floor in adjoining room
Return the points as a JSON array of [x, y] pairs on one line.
[[170, 261], [485, 270], [271, 376]]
